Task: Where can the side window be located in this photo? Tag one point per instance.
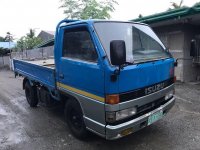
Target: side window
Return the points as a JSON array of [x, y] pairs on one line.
[[77, 44], [142, 41]]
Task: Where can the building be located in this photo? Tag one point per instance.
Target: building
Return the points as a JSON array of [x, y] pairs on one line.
[[177, 28], [46, 35]]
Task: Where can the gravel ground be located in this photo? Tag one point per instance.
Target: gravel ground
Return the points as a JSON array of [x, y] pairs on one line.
[[25, 128]]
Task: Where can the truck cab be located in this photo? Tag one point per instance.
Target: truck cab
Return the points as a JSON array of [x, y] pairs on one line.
[[114, 77]]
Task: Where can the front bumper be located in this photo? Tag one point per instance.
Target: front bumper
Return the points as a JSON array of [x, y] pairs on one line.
[[118, 131]]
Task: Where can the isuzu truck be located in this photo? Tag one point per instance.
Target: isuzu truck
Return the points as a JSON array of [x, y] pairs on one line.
[[113, 78]]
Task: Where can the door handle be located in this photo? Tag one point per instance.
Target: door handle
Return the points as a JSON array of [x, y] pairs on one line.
[[61, 76]]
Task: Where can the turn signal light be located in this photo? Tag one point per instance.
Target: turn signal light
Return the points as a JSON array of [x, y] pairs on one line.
[[112, 99]]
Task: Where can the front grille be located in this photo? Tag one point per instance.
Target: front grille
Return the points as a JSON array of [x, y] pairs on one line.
[[150, 105], [141, 92]]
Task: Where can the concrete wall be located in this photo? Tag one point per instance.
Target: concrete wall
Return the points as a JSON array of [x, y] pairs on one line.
[[177, 38], [38, 53], [4, 61], [191, 70]]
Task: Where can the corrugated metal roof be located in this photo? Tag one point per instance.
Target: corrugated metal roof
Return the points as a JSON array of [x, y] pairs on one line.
[[7, 45], [50, 32], [46, 43], [171, 14]]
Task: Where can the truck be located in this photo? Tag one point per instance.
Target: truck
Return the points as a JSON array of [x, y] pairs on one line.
[[113, 78]]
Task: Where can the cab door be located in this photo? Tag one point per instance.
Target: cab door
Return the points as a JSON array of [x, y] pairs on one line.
[[81, 72], [79, 65]]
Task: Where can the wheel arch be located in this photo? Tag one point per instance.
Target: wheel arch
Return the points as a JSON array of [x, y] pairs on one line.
[[65, 97], [27, 80]]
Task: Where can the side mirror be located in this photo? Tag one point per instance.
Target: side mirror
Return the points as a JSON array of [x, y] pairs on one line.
[[118, 52], [193, 48]]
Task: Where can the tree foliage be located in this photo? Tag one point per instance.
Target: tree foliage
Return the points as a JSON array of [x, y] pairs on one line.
[[88, 9], [2, 39], [31, 33], [177, 5], [197, 3], [9, 37], [3, 51], [28, 42], [140, 16]]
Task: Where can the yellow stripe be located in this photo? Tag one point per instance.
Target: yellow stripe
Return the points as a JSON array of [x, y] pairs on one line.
[[101, 99]]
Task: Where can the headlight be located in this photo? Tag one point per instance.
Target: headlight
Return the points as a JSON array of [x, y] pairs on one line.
[[115, 116], [169, 95]]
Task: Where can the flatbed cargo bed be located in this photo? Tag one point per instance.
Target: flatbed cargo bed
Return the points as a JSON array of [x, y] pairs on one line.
[[42, 71]]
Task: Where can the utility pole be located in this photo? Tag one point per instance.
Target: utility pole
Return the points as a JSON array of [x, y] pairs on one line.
[[9, 38]]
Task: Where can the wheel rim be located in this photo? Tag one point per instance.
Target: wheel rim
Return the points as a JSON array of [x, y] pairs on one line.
[[75, 119]]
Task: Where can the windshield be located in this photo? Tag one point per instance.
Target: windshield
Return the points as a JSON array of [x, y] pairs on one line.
[[142, 44]]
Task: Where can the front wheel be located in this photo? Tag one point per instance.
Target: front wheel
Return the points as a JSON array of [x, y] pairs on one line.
[[31, 95], [74, 119]]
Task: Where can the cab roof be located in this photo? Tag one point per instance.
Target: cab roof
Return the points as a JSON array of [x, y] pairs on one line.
[[92, 21]]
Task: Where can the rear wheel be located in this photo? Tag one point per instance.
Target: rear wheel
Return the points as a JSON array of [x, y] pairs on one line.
[[31, 94], [74, 119]]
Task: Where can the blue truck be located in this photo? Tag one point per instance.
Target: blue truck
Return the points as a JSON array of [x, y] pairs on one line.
[[113, 78]]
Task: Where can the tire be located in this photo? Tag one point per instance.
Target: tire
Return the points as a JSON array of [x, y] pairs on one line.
[[31, 95], [74, 119]]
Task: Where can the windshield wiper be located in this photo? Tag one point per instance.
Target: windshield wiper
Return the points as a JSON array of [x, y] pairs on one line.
[[127, 64], [150, 59]]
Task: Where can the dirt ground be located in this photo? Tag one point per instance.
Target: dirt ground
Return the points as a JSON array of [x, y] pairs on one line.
[[25, 128]]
